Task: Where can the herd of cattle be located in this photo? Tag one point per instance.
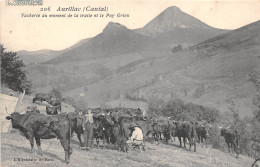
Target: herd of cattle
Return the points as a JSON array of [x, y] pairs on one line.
[[112, 126]]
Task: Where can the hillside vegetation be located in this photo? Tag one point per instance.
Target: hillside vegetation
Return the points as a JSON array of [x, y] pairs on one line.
[[122, 63]]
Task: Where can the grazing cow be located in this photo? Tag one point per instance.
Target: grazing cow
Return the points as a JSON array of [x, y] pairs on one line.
[[56, 103], [32, 109], [232, 139], [202, 130], [186, 130], [42, 97], [39, 126], [52, 110]]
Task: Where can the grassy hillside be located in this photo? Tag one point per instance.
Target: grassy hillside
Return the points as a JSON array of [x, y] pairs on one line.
[[16, 146], [206, 74]]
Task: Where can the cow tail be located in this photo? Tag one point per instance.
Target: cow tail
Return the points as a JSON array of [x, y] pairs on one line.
[[193, 131], [69, 141], [121, 139], [122, 130]]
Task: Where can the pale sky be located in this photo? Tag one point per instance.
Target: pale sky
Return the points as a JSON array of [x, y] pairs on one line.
[[17, 33]]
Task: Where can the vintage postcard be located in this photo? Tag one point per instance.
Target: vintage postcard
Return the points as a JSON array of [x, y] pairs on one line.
[[121, 83]]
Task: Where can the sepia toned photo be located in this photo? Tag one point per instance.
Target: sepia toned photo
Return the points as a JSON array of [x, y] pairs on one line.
[[130, 83]]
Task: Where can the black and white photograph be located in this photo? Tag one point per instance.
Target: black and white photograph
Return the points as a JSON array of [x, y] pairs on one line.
[[121, 83]]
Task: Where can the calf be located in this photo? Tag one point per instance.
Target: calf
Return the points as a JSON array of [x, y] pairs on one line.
[[231, 137], [39, 126]]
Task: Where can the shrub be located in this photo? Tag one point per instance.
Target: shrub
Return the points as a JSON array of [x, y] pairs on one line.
[[178, 110], [177, 48]]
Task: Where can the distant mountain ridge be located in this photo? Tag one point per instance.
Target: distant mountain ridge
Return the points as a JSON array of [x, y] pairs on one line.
[[39, 56], [116, 39], [241, 38]]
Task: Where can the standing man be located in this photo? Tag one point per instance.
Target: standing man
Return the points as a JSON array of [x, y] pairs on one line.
[[88, 125]]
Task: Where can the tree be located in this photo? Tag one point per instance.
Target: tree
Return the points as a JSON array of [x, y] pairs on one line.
[[254, 77], [12, 73]]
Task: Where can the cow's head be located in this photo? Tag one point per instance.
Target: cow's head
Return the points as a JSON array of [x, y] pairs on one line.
[[14, 117], [108, 119], [222, 131], [114, 115]]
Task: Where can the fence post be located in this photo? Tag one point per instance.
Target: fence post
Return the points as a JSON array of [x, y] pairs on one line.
[[19, 101]]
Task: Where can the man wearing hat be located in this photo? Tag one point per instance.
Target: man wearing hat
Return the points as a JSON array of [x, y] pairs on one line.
[[136, 137], [88, 125]]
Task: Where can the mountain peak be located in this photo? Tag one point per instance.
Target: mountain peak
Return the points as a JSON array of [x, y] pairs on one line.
[[112, 27], [173, 18], [173, 8]]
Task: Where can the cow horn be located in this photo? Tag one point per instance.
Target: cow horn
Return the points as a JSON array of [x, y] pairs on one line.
[[6, 111], [133, 114]]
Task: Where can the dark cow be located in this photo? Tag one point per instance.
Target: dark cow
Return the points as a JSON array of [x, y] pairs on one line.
[[42, 97], [102, 128], [125, 132], [163, 125], [202, 130], [232, 139], [56, 103], [186, 130], [52, 110], [101, 123], [39, 126], [32, 109]]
